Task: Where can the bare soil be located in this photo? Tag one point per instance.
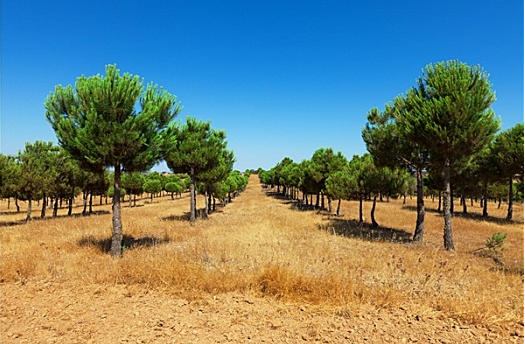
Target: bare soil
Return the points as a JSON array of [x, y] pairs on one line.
[[61, 313]]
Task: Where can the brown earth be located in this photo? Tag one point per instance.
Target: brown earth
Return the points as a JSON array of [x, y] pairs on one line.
[[40, 310], [61, 313]]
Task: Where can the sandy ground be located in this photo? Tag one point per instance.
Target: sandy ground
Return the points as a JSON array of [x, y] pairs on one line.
[[58, 313]]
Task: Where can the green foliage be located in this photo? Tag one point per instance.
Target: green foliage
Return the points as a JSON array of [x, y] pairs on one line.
[[133, 183], [152, 186], [111, 192], [193, 147], [9, 176], [37, 168], [342, 184], [198, 150], [97, 121], [450, 110], [495, 248], [508, 154]]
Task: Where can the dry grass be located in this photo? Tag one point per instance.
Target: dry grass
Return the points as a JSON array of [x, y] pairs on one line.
[[261, 245]]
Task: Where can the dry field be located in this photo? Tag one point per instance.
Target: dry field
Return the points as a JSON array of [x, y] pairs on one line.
[[259, 270]]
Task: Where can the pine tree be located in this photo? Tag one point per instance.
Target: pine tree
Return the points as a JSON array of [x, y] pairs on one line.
[[36, 172], [111, 121], [451, 117], [386, 143], [508, 151], [193, 148]]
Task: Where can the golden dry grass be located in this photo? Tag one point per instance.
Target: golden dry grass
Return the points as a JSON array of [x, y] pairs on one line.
[[260, 244]]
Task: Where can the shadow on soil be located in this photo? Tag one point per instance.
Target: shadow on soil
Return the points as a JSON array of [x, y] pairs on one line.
[[128, 242], [470, 216], [294, 204], [364, 231], [76, 215], [350, 228]]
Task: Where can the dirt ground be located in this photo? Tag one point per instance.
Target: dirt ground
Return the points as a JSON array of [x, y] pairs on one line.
[[58, 313]]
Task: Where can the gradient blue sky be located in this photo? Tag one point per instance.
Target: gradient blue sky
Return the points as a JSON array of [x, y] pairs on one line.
[[282, 78]]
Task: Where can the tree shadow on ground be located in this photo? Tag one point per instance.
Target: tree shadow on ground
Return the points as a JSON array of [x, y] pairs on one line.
[[128, 242], [49, 217], [470, 216], [186, 216], [364, 231], [512, 270], [295, 204]]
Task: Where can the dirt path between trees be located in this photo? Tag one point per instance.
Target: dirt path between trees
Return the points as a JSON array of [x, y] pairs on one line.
[[52, 312]]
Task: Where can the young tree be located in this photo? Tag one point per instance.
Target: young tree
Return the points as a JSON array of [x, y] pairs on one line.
[[451, 117], [133, 183], [36, 162], [152, 186], [325, 162], [386, 143], [9, 177], [215, 174], [111, 121], [508, 151], [341, 185], [360, 165], [193, 148], [66, 177]]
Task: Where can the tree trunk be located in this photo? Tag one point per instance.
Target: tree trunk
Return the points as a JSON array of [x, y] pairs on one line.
[[420, 220], [372, 213], [91, 202], [70, 205], [451, 195], [464, 201], [84, 202], [192, 196], [511, 199], [338, 206], [439, 201], [28, 216], [55, 208], [209, 200], [17, 205], [44, 205], [447, 229], [329, 205], [361, 208], [485, 212], [130, 199], [206, 205], [116, 239]]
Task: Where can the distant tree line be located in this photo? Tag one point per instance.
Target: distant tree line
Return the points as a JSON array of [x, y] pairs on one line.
[[441, 137]]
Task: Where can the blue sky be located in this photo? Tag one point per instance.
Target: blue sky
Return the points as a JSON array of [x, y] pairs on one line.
[[282, 78]]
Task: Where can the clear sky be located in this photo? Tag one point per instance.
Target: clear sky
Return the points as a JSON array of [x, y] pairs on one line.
[[281, 77]]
